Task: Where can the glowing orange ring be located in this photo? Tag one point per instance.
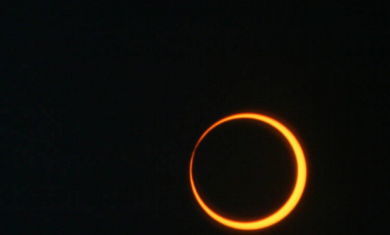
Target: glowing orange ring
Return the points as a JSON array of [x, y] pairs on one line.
[[299, 185]]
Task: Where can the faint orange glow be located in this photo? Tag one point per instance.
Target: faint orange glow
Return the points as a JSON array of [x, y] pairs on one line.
[[293, 199]]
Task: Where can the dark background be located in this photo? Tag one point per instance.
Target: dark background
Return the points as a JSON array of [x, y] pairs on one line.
[[102, 104]]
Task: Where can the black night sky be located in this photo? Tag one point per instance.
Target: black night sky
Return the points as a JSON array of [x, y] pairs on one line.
[[103, 103]]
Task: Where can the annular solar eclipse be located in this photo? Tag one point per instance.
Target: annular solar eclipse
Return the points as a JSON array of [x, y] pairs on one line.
[[296, 194]]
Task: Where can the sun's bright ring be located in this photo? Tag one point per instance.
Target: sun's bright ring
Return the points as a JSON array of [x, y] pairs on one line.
[[295, 195]]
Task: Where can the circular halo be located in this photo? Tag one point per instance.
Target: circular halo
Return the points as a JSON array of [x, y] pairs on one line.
[[295, 195]]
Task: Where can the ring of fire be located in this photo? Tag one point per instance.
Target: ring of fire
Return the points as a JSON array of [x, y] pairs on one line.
[[295, 195]]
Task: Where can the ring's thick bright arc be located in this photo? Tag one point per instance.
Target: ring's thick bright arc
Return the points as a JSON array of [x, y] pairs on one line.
[[293, 199]]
